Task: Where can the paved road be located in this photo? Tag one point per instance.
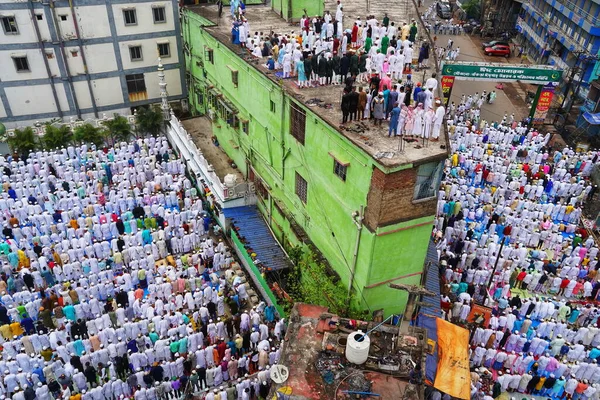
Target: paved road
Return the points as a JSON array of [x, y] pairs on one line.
[[470, 51]]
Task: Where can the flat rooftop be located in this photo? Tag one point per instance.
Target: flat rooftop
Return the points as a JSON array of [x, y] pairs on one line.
[[200, 130], [313, 351], [325, 100]]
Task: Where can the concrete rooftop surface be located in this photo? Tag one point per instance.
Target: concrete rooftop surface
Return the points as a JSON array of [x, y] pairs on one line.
[[325, 101], [200, 130]]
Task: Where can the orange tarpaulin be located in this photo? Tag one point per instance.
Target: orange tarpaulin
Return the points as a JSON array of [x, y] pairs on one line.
[[453, 376]]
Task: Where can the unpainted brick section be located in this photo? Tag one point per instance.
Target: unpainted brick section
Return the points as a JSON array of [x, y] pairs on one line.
[[390, 199]]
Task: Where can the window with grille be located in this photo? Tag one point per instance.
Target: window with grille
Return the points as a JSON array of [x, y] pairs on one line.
[[164, 50], [9, 25], [159, 15], [297, 123], [235, 122], [212, 99], [130, 17], [428, 180], [209, 55], [301, 188], [234, 78], [340, 169], [260, 188], [135, 83], [245, 126], [21, 64], [135, 52]]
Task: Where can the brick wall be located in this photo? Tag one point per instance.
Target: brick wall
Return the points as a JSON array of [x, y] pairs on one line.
[[390, 199]]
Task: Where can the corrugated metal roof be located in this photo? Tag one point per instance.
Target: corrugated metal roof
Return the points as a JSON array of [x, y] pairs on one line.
[[429, 313], [432, 282], [258, 236]]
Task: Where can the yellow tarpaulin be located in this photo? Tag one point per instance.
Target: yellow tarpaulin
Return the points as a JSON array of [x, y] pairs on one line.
[[453, 376]]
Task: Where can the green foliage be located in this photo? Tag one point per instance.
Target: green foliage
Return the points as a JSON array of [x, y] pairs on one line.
[[118, 129], [472, 8], [57, 136], [295, 253], [149, 121], [88, 133], [308, 282], [23, 142]]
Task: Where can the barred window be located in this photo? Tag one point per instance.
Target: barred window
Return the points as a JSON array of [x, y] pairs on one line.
[[164, 50], [340, 169], [135, 52], [159, 15], [130, 17], [209, 55], [135, 83], [297, 123], [301, 188], [260, 188], [21, 64], [9, 25]]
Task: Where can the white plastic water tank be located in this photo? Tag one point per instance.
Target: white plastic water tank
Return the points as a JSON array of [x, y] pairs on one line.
[[357, 347], [230, 180]]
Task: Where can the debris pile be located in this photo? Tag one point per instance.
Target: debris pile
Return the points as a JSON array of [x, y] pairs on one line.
[[329, 364], [357, 382], [318, 102]]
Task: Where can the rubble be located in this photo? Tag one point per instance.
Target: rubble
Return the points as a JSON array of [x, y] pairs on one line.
[[318, 365]]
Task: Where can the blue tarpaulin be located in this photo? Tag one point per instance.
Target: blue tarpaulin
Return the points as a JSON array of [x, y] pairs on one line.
[[593, 119]]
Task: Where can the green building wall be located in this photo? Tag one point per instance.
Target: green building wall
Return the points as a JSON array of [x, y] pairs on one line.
[[295, 9], [276, 156]]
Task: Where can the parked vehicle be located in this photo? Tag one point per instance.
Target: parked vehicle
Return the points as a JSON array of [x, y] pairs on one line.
[[498, 50], [494, 43], [443, 10]]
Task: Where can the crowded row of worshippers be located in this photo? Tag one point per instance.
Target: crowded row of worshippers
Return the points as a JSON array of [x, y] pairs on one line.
[[469, 108], [323, 52], [114, 286], [509, 236]]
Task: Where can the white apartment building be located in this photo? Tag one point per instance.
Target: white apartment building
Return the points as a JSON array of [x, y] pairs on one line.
[[83, 58]]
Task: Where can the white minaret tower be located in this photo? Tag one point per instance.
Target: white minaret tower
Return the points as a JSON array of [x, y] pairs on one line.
[[164, 106]]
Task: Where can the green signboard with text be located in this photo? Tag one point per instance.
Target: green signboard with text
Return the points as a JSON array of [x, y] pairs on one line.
[[539, 75]]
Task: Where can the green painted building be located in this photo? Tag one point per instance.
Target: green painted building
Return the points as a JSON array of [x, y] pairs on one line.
[[314, 180]]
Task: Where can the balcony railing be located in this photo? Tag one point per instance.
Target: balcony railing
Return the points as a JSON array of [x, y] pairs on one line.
[[557, 61], [579, 13], [552, 26]]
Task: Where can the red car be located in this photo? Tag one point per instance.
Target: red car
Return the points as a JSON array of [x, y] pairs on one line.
[[498, 50]]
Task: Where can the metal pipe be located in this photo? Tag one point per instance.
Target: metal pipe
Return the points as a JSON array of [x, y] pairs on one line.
[[486, 294], [357, 218], [361, 393], [64, 57], [46, 64], [376, 326], [83, 59]]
